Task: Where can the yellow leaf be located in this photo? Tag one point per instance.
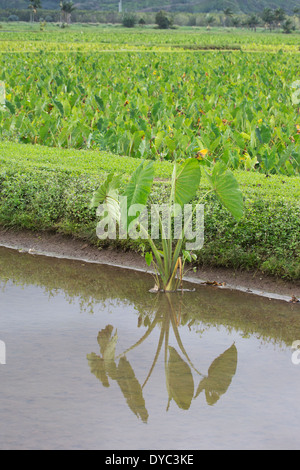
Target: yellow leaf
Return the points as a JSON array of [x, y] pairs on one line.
[[245, 136]]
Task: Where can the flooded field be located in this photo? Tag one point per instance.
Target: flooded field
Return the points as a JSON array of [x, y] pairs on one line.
[[95, 361]]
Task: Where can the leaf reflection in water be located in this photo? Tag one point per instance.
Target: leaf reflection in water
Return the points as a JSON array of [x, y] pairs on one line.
[[180, 380], [105, 367], [220, 375], [178, 368]]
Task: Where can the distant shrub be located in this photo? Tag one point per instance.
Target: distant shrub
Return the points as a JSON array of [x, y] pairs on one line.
[[162, 20], [129, 20], [13, 18], [192, 20]]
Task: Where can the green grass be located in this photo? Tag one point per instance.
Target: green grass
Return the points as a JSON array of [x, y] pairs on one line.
[[77, 162], [50, 189]]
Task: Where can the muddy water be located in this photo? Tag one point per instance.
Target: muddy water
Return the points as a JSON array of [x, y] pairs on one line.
[[95, 361]]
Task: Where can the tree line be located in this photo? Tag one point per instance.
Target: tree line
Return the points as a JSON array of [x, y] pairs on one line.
[[273, 19], [269, 18]]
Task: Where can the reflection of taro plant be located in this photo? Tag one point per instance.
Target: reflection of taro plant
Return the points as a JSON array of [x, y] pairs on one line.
[[105, 367], [167, 255], [178, 367]]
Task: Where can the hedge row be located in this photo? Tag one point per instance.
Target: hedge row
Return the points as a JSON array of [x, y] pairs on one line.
[[50, 189]]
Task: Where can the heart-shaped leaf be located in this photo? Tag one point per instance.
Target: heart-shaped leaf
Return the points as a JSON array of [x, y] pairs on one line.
[[139, 187], [185, 181], [220, 375], [180, 380], [108, 194], [227, 190]]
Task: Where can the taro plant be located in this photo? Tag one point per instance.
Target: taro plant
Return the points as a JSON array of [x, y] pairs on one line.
[[168, 253], [180, 383]]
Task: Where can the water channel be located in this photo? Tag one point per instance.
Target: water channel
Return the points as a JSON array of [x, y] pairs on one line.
[[93, 360]]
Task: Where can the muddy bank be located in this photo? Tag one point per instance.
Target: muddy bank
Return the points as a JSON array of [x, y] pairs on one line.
[[57, 245]]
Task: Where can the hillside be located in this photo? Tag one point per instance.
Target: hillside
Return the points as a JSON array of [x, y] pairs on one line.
[[192, 6]]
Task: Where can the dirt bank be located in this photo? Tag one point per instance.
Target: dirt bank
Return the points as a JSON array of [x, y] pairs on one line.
[[66, 247]]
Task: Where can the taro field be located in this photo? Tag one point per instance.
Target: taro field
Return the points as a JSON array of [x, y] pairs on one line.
[[155, 97]]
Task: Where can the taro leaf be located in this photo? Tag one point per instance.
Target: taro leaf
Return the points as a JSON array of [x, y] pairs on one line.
[[220, 375], [131, 389], [10, 106], [140, 184], [106, 189], [148, 258], [185, 182], [227, 190], [59, 107], [263, 134], [108, 194], [158, 139], [99, 102], [180, 380], [97, 367], [139, 187], [100, 124], [156, 108], [170, 143], [142, 147], [187, 256]]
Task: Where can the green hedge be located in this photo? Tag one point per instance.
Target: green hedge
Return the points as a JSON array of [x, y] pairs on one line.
[[50, 189]]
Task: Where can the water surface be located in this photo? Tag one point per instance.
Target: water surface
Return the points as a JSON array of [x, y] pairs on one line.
[[95, 361]]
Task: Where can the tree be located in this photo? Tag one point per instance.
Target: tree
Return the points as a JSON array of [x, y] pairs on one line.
[[129, 20], [253, 21], [296, 12], [162, 20], [228, 15], [287, 26], [67, 7], [142, 21], [279, 16], [33, 6], [236, 21], [268, 17], [209, 20]]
